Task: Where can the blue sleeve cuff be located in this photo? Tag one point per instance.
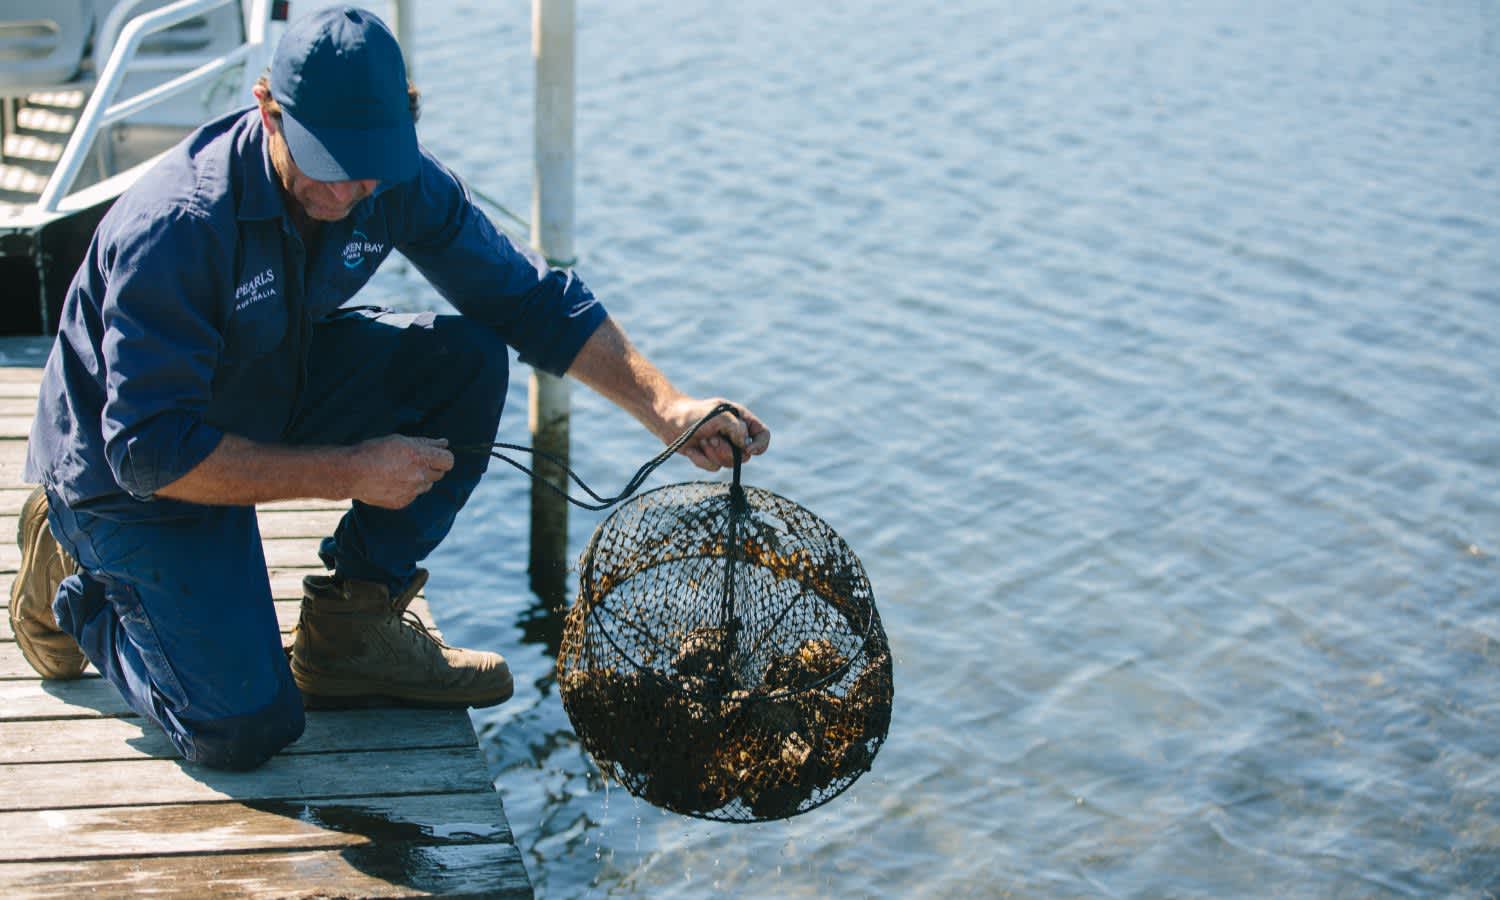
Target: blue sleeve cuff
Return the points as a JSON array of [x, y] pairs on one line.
[[158, 454], [553, 350]]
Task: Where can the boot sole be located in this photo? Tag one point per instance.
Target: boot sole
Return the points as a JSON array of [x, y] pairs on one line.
[[335, 693]]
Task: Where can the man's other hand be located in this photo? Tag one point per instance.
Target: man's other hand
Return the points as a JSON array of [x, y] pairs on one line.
[[392, 471]]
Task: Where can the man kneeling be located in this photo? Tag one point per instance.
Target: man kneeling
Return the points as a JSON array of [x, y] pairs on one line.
[[205, 362]]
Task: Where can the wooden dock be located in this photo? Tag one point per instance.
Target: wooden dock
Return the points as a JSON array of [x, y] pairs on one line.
[[368, 803]]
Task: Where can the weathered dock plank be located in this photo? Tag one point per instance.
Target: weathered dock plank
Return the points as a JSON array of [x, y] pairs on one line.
[[131, 737], [22, 368], [32, 700], [59, 786], [14, 667], [196, 828], [381, 870], [367, 803], [15, 426], [11, 498]]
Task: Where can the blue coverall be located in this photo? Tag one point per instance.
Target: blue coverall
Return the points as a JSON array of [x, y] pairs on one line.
[[200, 312]]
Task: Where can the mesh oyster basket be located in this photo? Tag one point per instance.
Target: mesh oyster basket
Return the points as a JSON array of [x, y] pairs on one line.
[[724, 658]]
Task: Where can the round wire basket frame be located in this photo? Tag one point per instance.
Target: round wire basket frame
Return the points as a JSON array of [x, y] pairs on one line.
[[724, 658]]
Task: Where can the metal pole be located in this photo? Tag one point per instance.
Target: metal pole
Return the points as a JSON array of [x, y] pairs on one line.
[[406, 33], [552, 24]]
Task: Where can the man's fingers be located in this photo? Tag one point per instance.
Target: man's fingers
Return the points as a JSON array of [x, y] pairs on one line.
[[700, 459], [747, 432], [717, 448], [733, 428], [726, 431], [434, 453], [758, 436]]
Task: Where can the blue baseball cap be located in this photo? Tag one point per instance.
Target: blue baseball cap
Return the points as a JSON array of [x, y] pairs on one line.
[[341, 83]]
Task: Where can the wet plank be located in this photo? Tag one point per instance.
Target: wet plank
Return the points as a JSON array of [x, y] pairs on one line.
[[241, 827], [381, 870]]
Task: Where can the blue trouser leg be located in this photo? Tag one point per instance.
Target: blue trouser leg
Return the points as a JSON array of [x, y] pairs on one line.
[[422, 375], [176, 612], [173, 605]]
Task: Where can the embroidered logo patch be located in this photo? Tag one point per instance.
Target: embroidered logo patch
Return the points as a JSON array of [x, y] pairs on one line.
[[261, 287], [356, 250]]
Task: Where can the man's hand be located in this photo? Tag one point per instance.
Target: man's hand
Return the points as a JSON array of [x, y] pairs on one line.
[[710, 447], [392, 471], [611, 365]]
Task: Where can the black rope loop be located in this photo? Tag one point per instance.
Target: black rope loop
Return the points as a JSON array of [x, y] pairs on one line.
[[602, 502]]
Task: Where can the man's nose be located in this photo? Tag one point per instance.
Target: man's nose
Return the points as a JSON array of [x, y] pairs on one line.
[[350, 191]]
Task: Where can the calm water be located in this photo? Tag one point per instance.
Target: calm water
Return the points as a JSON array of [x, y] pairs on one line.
[[1146, 352]]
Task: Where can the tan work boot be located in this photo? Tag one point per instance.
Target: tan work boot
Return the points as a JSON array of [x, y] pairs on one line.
[[51, 651], [356, 646]]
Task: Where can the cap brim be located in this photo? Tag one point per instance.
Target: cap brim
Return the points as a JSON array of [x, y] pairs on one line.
[[387, 154]]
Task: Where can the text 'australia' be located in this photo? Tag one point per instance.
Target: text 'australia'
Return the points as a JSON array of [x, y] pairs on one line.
[[256, 289]]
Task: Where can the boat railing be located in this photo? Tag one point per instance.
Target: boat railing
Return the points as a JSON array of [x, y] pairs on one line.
[[102, 109]]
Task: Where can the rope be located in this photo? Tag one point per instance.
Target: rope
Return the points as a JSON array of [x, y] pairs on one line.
[[601, 502], [500, 207], [505, 211]]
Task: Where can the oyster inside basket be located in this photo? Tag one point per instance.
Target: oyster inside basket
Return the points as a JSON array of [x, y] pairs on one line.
[[724, 658]]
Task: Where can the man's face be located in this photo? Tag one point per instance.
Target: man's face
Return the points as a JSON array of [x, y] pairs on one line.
[[323, 201]]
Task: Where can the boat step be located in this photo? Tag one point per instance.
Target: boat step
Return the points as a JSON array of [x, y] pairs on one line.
[[45, 118], [38, 129]]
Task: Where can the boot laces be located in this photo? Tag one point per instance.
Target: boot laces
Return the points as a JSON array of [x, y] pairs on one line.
[[414, 623]]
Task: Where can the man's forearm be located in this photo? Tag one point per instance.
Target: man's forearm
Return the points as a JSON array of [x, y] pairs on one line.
[[241, 472], [609, 364], [388, 472]]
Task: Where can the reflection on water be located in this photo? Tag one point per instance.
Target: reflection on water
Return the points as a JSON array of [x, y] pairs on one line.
[[1146, 355]]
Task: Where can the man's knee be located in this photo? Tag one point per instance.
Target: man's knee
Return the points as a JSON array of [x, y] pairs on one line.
[[479, 359], [246, 741], [454, 378]]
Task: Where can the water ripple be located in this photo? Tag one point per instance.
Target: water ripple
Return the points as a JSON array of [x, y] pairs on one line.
[[1147, 355]]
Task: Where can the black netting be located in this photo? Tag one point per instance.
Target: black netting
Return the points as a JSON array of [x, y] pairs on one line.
[[724, 658]]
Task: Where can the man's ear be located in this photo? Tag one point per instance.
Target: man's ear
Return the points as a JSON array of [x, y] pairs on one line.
[[266, 119]]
